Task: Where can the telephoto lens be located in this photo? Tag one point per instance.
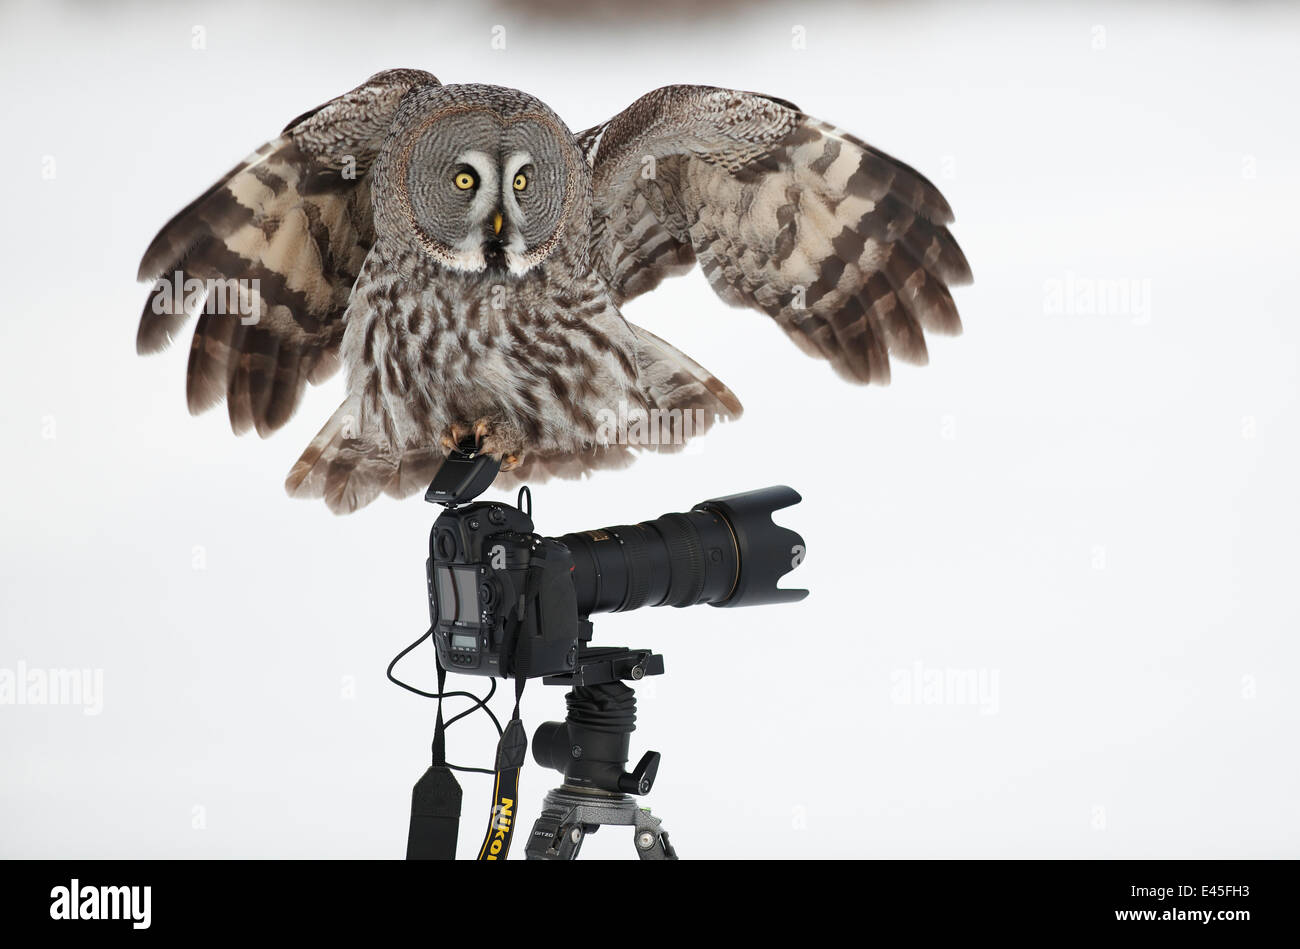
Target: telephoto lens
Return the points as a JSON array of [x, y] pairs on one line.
[[724, 552]]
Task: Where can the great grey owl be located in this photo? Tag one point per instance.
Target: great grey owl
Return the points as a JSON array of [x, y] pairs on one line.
[[465, 256]]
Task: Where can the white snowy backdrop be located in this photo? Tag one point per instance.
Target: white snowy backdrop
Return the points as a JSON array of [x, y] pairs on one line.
[[1085, 507]]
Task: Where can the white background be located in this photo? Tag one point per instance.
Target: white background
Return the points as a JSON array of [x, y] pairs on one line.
[[1095, 512]]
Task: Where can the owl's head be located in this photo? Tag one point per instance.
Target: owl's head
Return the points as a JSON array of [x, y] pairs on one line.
[[481, 177]]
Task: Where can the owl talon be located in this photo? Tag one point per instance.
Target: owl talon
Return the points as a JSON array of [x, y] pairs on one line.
[[453, 436], [498, 440]]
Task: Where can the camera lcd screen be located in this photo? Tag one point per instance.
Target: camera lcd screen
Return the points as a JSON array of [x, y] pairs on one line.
[[458, 595], [463, 642]]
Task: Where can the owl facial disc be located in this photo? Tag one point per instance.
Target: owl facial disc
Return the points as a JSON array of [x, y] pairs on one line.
[[487, 188]]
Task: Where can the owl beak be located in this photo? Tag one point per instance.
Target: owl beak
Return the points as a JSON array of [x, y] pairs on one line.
[[496, 223]]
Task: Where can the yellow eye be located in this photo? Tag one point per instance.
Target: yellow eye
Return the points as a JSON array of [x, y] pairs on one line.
[[464, 181], [521, 182]]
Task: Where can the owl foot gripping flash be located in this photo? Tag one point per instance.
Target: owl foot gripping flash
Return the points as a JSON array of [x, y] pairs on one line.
[[505, 602]]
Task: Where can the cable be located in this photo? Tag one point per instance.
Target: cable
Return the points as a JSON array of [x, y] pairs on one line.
[[479, 703]]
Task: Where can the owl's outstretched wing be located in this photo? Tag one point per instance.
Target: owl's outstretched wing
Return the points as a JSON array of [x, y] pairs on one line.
[[277, 243], [845, 247]]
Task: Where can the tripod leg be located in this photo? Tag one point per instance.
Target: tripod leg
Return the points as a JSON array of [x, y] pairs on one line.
[[651, 839], [554, 837]]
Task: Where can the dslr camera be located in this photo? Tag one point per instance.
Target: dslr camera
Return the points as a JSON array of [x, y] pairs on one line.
[[505, 601]]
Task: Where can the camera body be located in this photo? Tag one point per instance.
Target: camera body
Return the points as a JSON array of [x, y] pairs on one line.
[[501, 599]]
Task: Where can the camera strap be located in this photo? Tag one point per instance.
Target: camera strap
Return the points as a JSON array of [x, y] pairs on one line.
[[511, 750], [436, 799], [513, 746]]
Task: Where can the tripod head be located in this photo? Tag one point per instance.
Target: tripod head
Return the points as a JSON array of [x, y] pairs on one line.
[[590, 747]]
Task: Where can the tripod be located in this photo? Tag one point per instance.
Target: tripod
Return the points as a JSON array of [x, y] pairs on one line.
[[590, 748]]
